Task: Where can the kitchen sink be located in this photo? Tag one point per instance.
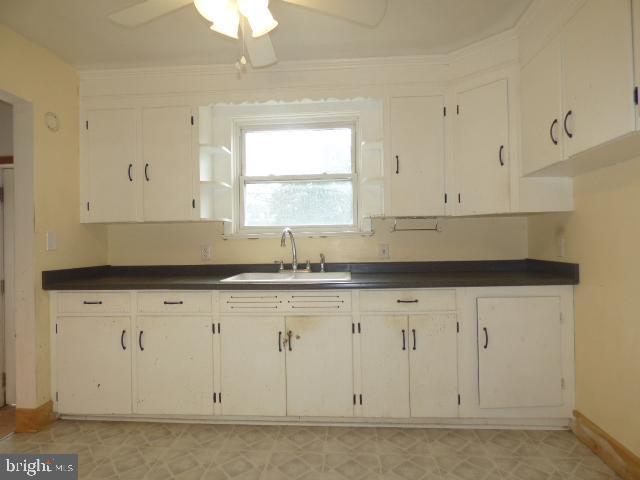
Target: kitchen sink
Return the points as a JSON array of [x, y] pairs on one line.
[[290, 277]]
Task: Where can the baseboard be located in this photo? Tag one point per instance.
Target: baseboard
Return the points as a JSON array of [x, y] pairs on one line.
[[613, 453], [29, 420]]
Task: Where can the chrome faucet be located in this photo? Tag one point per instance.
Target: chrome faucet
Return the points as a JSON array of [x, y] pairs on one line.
[[294, 252]]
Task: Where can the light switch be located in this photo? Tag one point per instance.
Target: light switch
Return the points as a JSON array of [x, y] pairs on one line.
[[52, 241]]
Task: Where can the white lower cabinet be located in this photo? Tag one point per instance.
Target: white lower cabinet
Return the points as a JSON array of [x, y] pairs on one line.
[[94, 365], [319, 366], [519, 352], [410, 355], [409, 366], [433, 365], [174, 365], [252, 356], [385, 366]]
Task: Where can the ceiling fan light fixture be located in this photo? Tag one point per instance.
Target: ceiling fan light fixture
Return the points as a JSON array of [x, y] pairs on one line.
[[259, 16], [211, 9], [227, 22]]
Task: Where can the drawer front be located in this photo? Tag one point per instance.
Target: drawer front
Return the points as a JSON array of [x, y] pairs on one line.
[[257, 302], [319, 302], [174, 302], [94, 302], [407, 300]]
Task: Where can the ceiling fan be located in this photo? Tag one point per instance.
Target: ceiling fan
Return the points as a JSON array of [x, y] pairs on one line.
[[227, 17]]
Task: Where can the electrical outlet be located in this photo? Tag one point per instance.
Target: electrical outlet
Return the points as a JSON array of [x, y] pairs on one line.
[[206, 253], [383, 250], [52, 241]]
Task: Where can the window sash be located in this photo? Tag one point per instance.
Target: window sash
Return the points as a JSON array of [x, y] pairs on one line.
[[352, 177]]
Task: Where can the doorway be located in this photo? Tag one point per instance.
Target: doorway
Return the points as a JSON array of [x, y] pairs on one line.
[[7, 269]]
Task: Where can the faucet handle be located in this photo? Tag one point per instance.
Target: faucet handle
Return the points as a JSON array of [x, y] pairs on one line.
[[322, 262], [281, 265], [308, 265]]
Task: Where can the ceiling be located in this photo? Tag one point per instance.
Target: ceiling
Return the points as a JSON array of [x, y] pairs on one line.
[[80, 32]]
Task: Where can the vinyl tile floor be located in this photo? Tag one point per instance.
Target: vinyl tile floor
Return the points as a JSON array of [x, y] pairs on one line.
[[158, 451]]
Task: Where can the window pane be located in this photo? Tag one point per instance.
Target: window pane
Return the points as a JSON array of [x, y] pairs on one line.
[[280, 204], [308, 151]]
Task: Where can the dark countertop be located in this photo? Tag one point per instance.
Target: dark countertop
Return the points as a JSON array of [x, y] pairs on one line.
[[363, 275]]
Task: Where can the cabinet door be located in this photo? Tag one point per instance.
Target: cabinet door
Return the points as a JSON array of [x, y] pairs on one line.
[[319, 366], [598, 74], [481, 143], [519, 352], [174, 365], [94, 365], [385, 366], [167, 163], [417, 140], [110, 149], [253, 366], [433, 365], [541, 103]]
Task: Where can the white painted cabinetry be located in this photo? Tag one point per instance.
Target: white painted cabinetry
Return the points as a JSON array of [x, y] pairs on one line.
[[408, 355], [138, 165], [319, 366], [577, 93], [94, 365], [418, 156], [167, 142], [112, 165], [253, 375], [519, 352], [173, 365], [481, 149]]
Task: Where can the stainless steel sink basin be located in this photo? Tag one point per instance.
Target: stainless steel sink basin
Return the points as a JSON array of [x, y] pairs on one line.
[[290, 277]]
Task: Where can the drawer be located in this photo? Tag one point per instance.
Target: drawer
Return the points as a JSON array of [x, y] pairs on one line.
[[319, 302], [407, 300], [256, 302], [94, 302], [174, 302]]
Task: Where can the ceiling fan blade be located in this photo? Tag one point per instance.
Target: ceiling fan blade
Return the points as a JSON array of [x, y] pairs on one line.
[[146, 11], [364, 12], [260, 50]]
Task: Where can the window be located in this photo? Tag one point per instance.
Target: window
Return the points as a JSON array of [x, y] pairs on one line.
[[298, 175]]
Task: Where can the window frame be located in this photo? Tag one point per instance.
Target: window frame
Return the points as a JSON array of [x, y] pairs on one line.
[[295, 123]]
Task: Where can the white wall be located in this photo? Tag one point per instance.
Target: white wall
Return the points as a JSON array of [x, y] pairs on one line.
[[6, 129]]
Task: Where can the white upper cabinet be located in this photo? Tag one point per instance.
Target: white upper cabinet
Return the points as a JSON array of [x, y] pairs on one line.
[[167, 145], [597, 75], [519, 352], [138, 165], [417, 156], [481, 149], [541, 103], [112, 166]]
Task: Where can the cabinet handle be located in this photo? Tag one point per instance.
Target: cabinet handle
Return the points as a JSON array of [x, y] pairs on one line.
[[404, 341], [500, 159], [129, 172], [566, 129], [551, 128], [146, 172], [397, 164], [289, 334], [413, 331], [407, 301], [140, 341], [180, 302], [97, 302], [279, 341], [122, 340], [486, 337]]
